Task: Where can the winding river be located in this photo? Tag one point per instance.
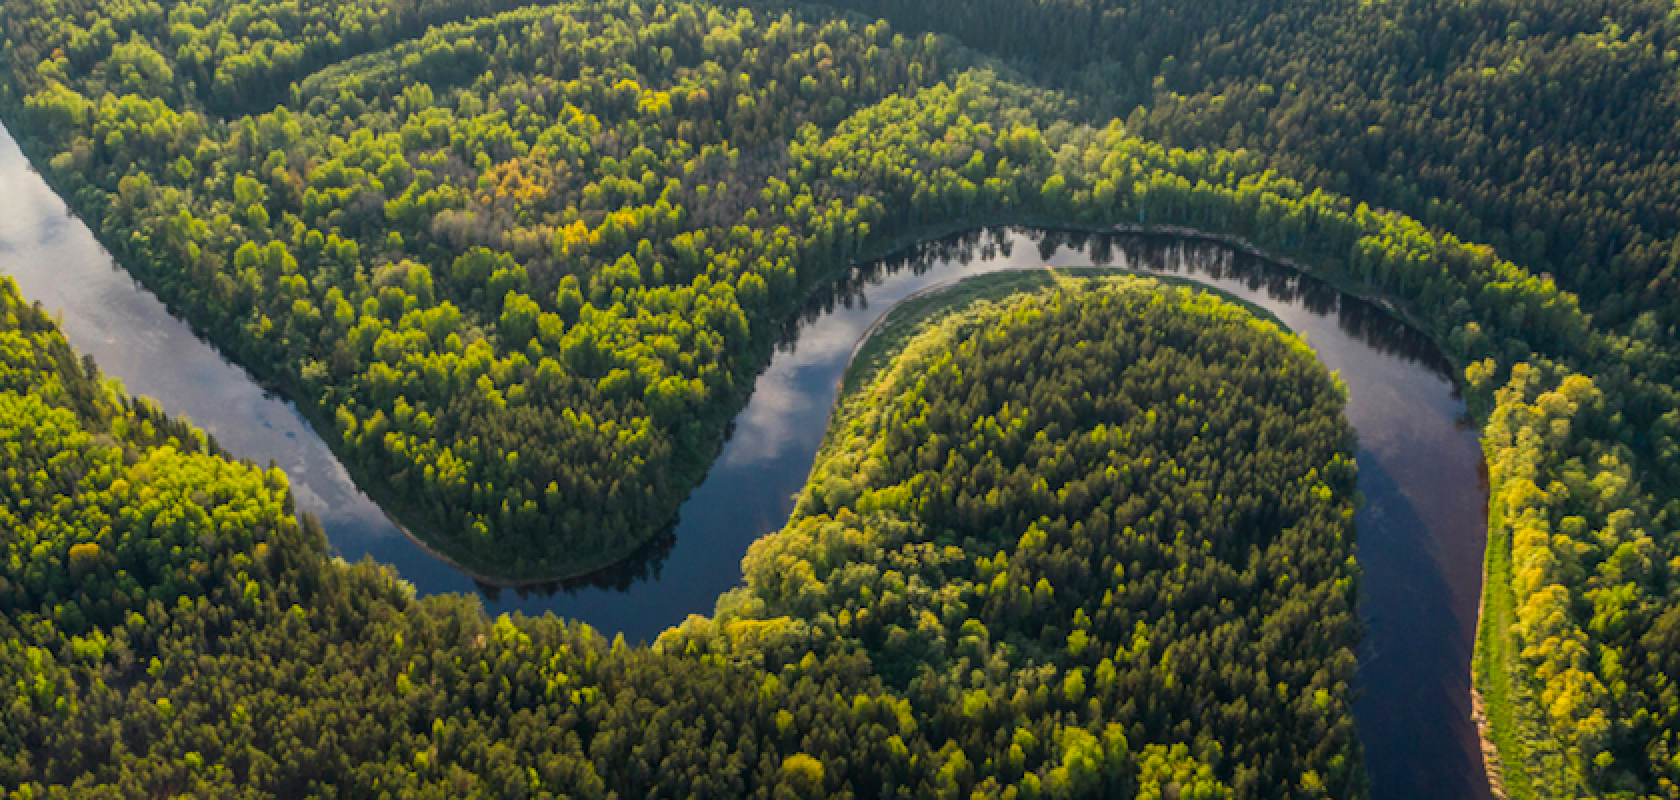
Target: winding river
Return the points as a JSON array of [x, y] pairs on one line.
[[1421, 529]]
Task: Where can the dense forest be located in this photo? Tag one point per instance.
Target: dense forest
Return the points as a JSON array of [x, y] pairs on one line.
[[1130, 502], [513, 274], [1044, 625], [1545, 128], [523, 266]]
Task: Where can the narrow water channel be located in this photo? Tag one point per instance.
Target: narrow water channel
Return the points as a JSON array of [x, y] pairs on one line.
[[1421, 530]]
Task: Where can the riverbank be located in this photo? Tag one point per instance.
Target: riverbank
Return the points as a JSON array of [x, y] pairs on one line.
[[1493, 662], [1493, 665], [885, 340], [768, 455], [882, 342], [1494, 659]]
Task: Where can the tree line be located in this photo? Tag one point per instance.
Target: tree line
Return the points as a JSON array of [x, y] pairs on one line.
[[172, 628], [509, 274], [1542, 128], [555, 264]]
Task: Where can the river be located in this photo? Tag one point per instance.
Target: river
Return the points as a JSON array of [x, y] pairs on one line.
[[1422, 528]]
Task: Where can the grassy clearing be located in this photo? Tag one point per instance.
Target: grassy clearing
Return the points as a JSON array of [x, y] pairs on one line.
[[1496, 656], [1536, 765]]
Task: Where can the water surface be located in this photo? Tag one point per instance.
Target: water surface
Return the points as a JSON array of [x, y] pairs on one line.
[[1421, 530]]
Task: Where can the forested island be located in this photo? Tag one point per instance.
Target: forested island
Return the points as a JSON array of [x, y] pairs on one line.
[[520, 264]]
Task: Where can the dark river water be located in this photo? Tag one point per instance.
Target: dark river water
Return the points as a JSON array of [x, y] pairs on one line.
[[1421, 530]]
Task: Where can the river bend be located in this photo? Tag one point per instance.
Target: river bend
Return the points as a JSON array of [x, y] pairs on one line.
[[1422, 527]]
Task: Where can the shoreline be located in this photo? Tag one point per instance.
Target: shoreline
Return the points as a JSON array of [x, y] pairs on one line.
[[1491, 762], [1238, 243], [482, 579]]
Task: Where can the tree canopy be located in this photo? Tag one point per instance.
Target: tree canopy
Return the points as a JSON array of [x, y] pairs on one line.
[[523, 266], [171, 628]]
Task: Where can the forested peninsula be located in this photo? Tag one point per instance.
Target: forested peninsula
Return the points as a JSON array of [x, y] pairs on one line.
[[520, 264], [1051, 622]]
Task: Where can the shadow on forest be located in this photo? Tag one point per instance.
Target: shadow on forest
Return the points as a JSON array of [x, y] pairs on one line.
[[642, 565]]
